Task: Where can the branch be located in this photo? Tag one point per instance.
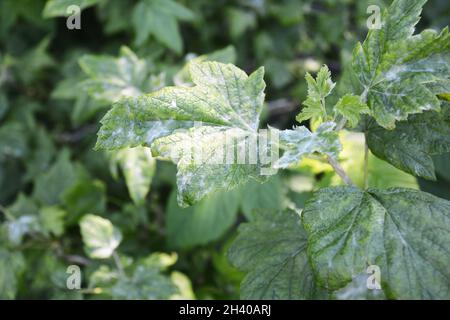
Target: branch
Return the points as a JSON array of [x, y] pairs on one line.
[[340, 171]]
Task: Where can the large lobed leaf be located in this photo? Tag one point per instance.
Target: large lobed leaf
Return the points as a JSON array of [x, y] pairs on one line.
[[271, 249], [403, 231], [400, 74], [224, 104]]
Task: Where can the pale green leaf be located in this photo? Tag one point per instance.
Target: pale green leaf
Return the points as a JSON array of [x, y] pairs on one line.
[[272, 251], [100, 237], [380, 174], [318, 90], [398, 71], [225, 55], [224, 104], [52, 220], [138, 167], [301, 142], [111, 79], [351, 107], [403, 231]]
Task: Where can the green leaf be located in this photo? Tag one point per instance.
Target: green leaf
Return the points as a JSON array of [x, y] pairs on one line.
[[138, 167], [240, 21], [206, 221], [146, 283], [398, 71], [13, 141], [257, 196], [351, 107], [405, 232], [160, 19], [50, 185], [100, 237], [318, 90], [84, 196], [272, 251], [21, 226], [224, 106], [111, 79], [13, 264], [52, 220], [58, 8], [225, 55], [301, 142], [410, 146]]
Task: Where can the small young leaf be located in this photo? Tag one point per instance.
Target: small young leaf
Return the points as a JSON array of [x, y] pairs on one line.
[[301, 142], [351, 107], [100, 237], [318, 90]]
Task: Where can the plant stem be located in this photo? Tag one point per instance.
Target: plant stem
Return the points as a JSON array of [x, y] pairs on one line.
[[366, 163], [340, 171], [341, 124], [118, 264]]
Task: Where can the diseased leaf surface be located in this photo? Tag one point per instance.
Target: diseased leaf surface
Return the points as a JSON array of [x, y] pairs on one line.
[[403, 231], [411, 145], [138, 167], [400, 74], [301, 142], [100, 237]]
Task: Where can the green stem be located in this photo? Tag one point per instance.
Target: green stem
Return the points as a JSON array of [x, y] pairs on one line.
[[366, 163], [340, 171]]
